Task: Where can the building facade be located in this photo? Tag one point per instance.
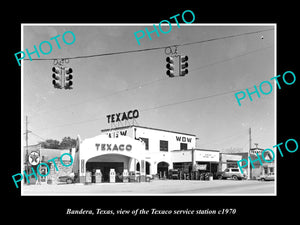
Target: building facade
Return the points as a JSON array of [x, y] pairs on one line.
[[145, 151], [159, 145], [228, 160], [259, 168], [132, 150], [34, 155], [202, 160]]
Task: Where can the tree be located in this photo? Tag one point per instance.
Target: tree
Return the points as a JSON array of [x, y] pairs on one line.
[[67, 143], [50, 143]]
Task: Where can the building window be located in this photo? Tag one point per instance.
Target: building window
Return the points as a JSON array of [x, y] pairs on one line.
[[146, 140], [183, 146], [232, 164], [163, 146]]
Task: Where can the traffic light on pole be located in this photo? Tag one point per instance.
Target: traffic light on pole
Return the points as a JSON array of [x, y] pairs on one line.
[[183, 64], [68, 78], [57, 76], [170, 66]]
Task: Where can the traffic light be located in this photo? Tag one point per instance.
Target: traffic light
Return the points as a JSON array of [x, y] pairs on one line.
[[57, 82], [183, 64], [170, 66], [68, 78]]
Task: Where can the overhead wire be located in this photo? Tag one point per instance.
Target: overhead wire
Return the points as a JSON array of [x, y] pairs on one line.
[[145, 84], [196, 99], [157, 80], [38, 136], [154, 48], [156, 107]]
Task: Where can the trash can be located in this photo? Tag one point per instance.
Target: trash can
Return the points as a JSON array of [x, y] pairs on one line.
[[210, 176]]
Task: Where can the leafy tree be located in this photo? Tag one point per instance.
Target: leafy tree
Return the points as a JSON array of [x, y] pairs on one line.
[[67, 143], [50, 143]]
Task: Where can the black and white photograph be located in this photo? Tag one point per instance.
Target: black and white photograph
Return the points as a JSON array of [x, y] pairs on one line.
[[140, 112], [154, 109]]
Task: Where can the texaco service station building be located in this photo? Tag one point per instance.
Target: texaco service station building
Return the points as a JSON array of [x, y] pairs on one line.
[[140, 150]]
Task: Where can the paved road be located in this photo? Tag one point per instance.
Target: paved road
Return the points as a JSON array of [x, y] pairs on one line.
[[158, 187]]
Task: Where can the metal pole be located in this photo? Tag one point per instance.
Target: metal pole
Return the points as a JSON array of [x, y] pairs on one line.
[[249, 153], [62, 70], [26, 138], [179, 66], [26, 135], [26, 161]]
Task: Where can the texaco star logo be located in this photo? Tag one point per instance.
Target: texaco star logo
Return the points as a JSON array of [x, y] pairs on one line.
[[34, 158]]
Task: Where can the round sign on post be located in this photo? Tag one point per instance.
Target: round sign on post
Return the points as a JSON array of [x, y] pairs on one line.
[[34, 158]]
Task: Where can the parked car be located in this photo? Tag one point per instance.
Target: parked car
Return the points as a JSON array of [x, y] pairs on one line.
[[233, 173], [269, 176], [69, 179], [174, 174]]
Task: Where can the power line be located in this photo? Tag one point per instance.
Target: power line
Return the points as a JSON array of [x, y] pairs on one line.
[[156, 107], [156, 48], [231, 58], [159, 79], [195, 99], [38, 136]]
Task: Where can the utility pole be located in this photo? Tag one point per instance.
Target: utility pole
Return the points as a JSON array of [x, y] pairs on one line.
[[26, 133], [26, 139], [249, 153]]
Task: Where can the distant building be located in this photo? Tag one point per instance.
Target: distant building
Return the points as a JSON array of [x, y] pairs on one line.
[[258, 169], [228, 160], [203, 160], [35, 154]]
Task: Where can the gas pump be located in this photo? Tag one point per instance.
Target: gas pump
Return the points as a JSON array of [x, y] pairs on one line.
[[43, 172], [98, 176], [112, 176]]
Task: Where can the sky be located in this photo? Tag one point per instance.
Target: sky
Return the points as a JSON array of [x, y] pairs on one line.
[[118, 83]]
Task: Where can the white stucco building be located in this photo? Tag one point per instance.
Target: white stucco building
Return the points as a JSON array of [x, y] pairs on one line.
[[148, 151]]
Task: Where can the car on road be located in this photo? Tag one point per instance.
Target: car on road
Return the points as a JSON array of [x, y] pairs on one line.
[[267, 177], [233, 173], [66, 179], [174, 174]]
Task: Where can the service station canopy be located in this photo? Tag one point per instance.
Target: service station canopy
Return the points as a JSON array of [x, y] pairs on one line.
[[102, 145]]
